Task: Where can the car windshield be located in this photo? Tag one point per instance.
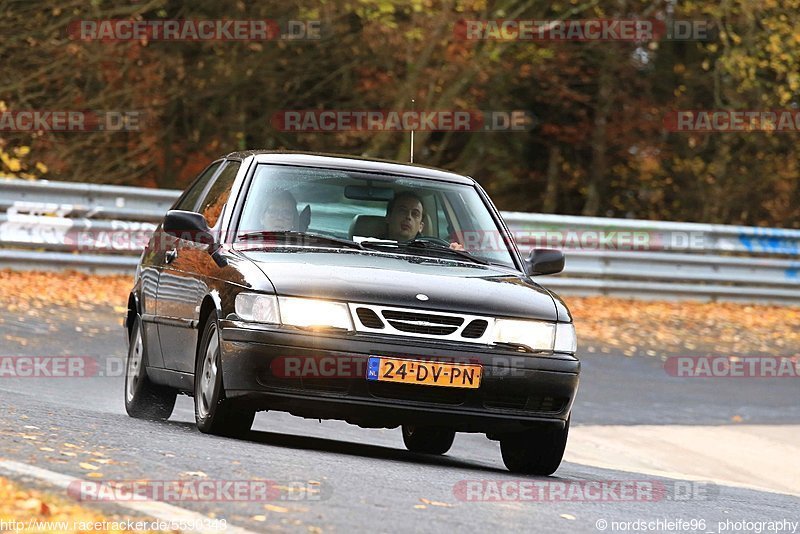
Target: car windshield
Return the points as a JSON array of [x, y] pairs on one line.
[[399, 214]]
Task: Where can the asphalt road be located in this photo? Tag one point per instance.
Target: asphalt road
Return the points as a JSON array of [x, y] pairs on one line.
[[364, 480]]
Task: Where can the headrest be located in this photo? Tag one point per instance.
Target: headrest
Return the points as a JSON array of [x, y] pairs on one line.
[[368, 226], [304, 219], [427, 228]]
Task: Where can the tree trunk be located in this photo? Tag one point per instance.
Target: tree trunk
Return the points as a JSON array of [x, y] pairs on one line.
[[551, 192], [599, 141]]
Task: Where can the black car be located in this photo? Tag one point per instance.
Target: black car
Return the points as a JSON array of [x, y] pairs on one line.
[[377, 293]]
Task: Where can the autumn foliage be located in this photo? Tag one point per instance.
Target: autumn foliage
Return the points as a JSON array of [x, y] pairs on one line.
[[598, 145], [46, 512]]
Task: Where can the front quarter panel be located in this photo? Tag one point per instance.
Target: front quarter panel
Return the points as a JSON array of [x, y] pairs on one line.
[[564, 315]]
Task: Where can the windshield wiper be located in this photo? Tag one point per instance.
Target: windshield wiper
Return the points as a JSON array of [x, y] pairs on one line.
[[431, 245], [301, 237], [425, 245]]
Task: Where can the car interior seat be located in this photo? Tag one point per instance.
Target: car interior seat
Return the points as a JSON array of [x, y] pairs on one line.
[[368, 226]]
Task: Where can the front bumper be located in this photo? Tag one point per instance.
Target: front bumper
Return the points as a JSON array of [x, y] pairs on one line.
[[517, 390]]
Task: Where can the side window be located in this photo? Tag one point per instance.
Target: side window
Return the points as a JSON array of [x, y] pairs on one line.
[[218, 193], [189, 199]]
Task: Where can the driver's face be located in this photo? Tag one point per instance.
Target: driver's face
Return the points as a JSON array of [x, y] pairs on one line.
[[405, 220]]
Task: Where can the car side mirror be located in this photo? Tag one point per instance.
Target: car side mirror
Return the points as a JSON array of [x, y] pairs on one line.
[[544, 261], [188, 225], [193, 227]]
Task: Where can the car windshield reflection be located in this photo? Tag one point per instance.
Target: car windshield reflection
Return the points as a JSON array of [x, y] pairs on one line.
[[301, 206]]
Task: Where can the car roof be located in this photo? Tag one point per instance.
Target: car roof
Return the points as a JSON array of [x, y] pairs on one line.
[[355, 163]]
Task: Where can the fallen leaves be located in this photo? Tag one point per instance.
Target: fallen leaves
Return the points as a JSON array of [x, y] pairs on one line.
[[87, 460], [194, 474], [275, 508], [660, 328], [436, 503], [21, 504], [22, 291], [34, 505]]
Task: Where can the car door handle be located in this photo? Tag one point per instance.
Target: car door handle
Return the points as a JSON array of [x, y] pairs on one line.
[[171, 255]]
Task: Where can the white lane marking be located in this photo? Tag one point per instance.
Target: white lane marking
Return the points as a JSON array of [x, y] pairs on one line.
[[154, 509]]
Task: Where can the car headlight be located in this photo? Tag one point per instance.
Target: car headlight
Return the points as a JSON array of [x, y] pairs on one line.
[[311, 313], [566, 339], [293, 311], [536, 335], [258, 308]]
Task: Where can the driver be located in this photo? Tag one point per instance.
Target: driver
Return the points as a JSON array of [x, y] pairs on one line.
[[404, 218]]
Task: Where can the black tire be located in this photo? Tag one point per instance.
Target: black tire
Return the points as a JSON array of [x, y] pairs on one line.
[[143, 398], [428, 439], [535, 452], [213, 412]]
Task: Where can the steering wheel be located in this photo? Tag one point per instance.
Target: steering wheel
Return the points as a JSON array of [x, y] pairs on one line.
[[432, 239]]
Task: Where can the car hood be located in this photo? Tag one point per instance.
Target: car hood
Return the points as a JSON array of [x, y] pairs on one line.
[[396, 280]]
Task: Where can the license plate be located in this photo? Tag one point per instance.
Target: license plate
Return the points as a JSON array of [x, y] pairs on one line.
[[453, 375]]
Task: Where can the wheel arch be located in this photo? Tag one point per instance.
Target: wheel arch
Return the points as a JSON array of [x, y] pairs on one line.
[[211, 302], [134, 310]]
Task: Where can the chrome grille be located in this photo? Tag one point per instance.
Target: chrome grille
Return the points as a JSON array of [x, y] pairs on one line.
[[369, 318], [475, 329], [422, 323], [431, 324]]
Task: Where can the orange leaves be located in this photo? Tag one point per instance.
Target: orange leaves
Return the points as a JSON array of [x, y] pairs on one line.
[[23, 506], [23, 291], [659, 327]]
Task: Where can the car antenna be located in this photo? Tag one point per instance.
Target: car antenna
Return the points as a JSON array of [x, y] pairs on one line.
[[412, 136]]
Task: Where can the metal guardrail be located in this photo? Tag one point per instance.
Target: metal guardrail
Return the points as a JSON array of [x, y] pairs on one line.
[[89, 200], [41, 222]]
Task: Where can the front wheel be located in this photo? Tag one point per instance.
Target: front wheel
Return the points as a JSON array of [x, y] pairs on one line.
[[535, 452], [428, 439], [213, 412], [143, 398]]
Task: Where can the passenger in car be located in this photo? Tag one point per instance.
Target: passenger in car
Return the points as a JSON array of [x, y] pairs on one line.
[[280, 213]]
